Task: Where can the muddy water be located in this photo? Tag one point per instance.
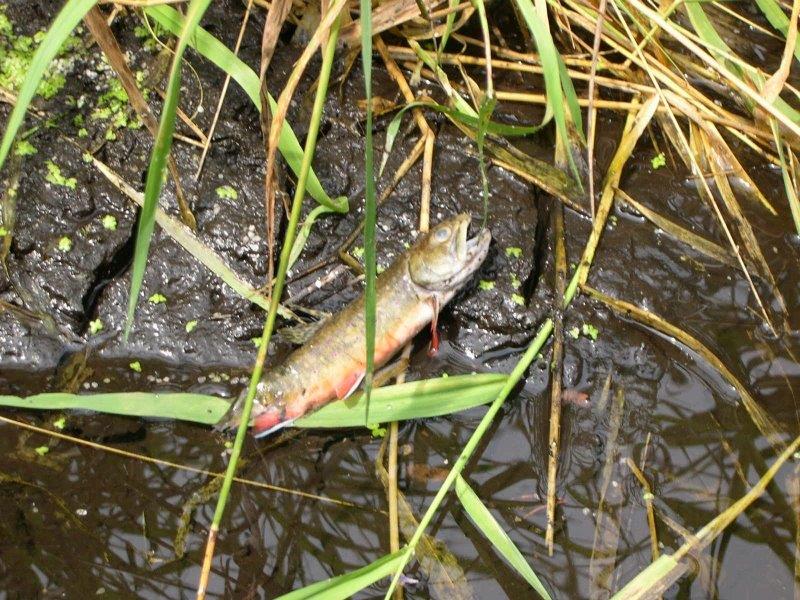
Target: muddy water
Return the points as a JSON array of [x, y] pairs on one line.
[[78, 522]]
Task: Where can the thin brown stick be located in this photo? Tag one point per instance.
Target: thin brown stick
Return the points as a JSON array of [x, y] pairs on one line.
[[591, 126], [172, 465], [606, 533], [269, 39], [556, 377], [648, 504], [96, 22], [223, 93]]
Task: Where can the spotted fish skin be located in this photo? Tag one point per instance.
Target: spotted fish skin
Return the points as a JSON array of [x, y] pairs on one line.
[[409, 295]]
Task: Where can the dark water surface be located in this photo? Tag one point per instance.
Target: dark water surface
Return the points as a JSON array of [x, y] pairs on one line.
[[80, 522]]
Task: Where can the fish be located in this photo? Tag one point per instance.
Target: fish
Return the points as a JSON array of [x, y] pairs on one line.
[[409, 296]]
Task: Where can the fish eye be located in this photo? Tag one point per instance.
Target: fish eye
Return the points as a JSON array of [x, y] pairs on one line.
[[442, 234]]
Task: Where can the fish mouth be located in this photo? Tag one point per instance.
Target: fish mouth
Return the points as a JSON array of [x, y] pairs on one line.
[[471, 250]]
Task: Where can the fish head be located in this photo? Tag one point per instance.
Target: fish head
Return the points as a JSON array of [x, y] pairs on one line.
[[444, 258]]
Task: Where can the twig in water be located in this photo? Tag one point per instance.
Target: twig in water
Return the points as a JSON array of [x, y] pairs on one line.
[[556, 378]]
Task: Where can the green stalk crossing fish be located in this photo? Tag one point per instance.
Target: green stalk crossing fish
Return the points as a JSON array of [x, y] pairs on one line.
[[409, 295]]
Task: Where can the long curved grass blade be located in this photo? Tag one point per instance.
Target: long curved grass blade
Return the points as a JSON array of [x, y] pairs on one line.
[[198, 408], [345, 586], [551, 70], [219, 54], [788, 119], [472, 121], [158, 159], [66, 20], [413, 400], [542, 335], [370, 206], [305, 230], [483, 520]]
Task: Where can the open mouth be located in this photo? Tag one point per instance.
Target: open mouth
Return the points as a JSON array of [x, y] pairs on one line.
[[469, 249]]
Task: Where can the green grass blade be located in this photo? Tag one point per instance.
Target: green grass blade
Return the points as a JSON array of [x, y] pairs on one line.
[[448, 27], [484, 116], [551, 70], [305, 230], [414, 400], [345, 586], [219, 54], [332, 20], [460, 104], [778, 19], [66, 20], [197, 408], [483, 520], [499, 129], [370, 205], [158, 159]]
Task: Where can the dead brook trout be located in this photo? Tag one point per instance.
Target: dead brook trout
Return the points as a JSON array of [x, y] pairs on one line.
[[409, 294]]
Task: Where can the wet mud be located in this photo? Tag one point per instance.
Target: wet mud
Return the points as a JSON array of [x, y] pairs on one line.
[[78, 521]]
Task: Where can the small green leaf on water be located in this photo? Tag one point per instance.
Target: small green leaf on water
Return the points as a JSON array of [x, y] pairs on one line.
[[25, 148], [486, 285], [87, 158], [517, 299], [379, 269], [513, 252], [60, 423], [64, 243], [110, 222], [515, 282], [157, 299], [136, 366], [377, 431], [55, 177], [256, 341], [42, 450], [590, 331], [574, 333], [227, 192], [3, 231], [96, 325], [82, 133], [658, 161], [358, 252], [191, 325]]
